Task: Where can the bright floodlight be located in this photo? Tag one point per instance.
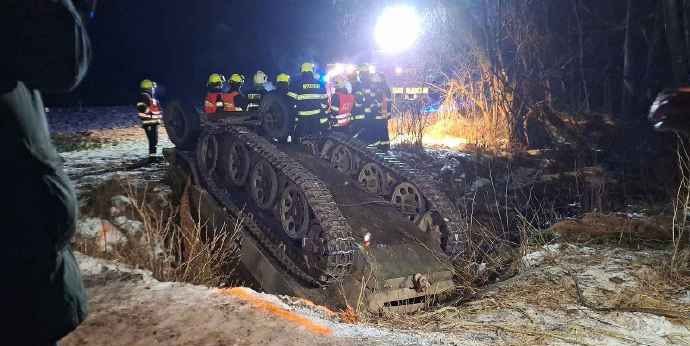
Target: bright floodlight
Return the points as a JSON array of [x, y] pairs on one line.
[[397, 28]]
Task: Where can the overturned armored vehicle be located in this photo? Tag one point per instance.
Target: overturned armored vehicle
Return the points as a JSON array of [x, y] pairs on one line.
[[326, 218]]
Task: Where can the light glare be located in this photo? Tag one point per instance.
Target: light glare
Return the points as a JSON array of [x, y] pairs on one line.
[[397, 28]]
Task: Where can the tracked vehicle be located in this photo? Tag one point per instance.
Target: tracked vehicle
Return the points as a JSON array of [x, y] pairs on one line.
[[313, 212]]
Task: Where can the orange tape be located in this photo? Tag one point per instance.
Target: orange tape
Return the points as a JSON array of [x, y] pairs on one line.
[[275, 310]]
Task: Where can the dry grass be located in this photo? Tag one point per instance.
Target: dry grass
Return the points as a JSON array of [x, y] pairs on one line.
[[407, 129], [175, 246], [524, 310], [477, 107], [681, 210]]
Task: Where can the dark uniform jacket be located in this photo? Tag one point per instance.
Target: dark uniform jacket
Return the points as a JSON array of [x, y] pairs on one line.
[[367, 104], [41, 296], [254, 96], [309, 96]]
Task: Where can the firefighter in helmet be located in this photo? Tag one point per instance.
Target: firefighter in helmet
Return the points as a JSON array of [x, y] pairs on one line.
[[310, 101], [214, 93], [366, 103], [283, 82], [233, 99], [342, 103], [257, 91], [380, 111], [149, 113]]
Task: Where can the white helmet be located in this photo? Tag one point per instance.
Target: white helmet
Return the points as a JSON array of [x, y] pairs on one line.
[[260, 78]]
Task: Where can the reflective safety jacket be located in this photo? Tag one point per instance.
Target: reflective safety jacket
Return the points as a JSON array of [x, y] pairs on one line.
[[309, 97], [223, 102], [342, 104], [254, 97], [149, 109]]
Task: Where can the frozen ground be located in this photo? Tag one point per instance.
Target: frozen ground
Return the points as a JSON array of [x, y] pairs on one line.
[[125, 153], [563, 294]]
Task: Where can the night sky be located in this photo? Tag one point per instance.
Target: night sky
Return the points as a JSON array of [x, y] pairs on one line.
[[178, 43]]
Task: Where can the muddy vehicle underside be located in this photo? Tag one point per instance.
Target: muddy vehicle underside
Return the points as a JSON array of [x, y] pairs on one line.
[[329, 219]]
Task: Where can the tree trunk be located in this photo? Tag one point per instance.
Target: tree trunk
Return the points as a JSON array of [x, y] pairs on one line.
[[581, 56], [651, 85], [675, 38], [629, 78], [686, 24]]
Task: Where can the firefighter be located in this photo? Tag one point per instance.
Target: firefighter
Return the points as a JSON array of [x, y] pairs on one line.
[[214, 93], [380, 111], [310, 101], [366, 103], [283, 82], [342, 103], [233, 99], [149, 113], [257, 92]]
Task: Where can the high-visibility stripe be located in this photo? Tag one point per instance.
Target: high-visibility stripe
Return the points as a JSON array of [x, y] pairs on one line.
[[337, 109], [343, 116], [312, 96], [308, 113], [382, 117], [415, 91], [359, 117], [367, 110], [307, 96], [323, 120]]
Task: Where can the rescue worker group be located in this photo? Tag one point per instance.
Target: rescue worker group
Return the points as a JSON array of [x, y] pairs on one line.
[[356, 101]]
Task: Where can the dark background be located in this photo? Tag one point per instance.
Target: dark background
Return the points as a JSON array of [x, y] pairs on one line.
[[179, 43]]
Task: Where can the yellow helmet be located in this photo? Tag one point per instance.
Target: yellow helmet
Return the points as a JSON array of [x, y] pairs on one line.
[[146, 84], [283, 77], [260, 78], [307, 67], [215, 79], [237, 78]]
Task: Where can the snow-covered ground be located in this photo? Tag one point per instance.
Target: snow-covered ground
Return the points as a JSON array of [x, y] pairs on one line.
[[124, 154], [624, 296]]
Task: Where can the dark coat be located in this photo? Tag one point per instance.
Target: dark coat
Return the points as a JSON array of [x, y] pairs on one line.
[[42, 297]]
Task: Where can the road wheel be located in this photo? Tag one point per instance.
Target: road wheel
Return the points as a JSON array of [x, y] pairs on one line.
[[294, 212], [409, 201], [276, 117], [182, 125], [263, 184]]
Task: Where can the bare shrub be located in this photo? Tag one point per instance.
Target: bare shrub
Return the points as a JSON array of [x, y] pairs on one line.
[[175, 246], [407, 128], [681, 208], [477, 106]]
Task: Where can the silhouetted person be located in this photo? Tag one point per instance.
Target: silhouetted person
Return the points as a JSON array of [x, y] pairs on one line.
[[45, 48]]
